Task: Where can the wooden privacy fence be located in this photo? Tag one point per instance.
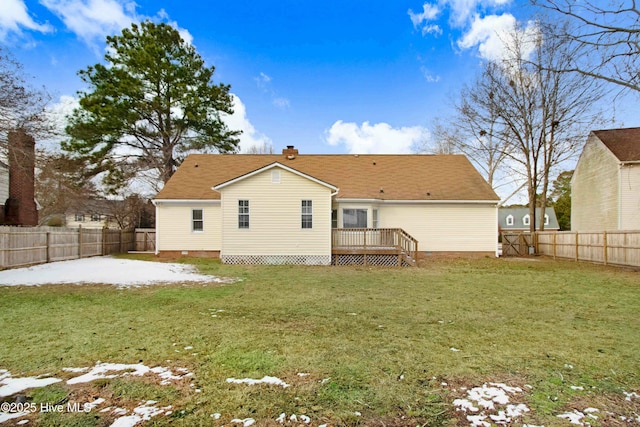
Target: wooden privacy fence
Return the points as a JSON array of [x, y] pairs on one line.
[[145, 239], [36, 245], [606, 247]]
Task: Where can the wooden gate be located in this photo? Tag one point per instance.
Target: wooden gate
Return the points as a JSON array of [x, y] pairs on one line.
[[517, 244]]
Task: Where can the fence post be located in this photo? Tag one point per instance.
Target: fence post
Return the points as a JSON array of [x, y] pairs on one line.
[[604, 245], [79, 241], [48, 246], [577, 247], [121, 241], [554, 244], [104, 241]]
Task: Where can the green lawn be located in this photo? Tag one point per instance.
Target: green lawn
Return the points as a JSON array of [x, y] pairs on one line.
[[380, 346]]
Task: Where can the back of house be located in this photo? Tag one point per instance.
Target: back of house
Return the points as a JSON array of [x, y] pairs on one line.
[[295, 208]]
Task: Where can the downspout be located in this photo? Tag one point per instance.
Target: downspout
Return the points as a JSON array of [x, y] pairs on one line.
[[497, 228]]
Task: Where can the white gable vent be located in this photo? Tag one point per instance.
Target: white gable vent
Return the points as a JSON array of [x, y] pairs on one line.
[[275, 177]]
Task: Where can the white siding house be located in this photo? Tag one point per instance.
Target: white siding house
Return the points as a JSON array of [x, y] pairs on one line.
[[605, 188], [290, 208]]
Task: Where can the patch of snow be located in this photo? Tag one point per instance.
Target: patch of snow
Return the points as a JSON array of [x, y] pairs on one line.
[[281, 418], [483, 401], [76, 370], [305, 419], [478, 421], [106, 370], [23, 422], [573, 417], [303, 374], [358, 413], [105, 270], [91, 405], [216, 416], [245, 422], [263, 380], [6, 416], [464, 405], [577, 387], [629, 396], [10, 386], [454, 349], [143, 412]]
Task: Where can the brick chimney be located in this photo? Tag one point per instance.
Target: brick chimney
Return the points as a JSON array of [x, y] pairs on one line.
[[20, 208], [290, 151]]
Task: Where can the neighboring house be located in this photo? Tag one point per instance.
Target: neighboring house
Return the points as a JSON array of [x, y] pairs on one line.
[[93, 214], [293, 208], [605, 188], [519, 219]]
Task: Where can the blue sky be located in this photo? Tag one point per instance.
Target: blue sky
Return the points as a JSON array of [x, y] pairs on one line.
[[326, 76]]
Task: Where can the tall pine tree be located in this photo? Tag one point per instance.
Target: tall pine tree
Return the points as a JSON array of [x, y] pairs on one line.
[[151, 103]]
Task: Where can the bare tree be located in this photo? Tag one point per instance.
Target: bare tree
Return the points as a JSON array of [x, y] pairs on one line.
[[264, 148], [60, 186], [21, 105], [535, 113], [608, 32]]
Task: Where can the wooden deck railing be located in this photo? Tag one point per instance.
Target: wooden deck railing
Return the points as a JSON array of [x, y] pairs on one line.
[[374, 240]]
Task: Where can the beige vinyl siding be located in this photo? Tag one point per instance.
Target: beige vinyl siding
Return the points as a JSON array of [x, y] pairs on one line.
[[275, 221], [445, 227], [630, 197], [173, 222], [594, 189]]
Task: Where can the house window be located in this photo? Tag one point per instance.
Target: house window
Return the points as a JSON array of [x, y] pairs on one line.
[[510, 220], [243, 214], [375, 219], [307, 214], [197, 220], [80, 217], [526, 220], [334, 218], [95, 217], [546, 219], [354, 218], [275, 177]]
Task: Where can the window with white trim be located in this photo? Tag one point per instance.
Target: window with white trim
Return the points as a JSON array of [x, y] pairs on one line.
[[526, 220], [197, 220], [510, 220], [275, 177], [243, 214], [374, 218], [546, 219], [95, 217], [80, 217], [354, 218], [334, 218], [307, 214]]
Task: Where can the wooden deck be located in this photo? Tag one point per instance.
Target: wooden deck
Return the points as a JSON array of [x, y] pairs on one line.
[[373, 246]]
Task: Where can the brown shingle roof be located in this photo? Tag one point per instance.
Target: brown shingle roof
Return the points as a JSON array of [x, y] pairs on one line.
[[623, 143], [401, 177]]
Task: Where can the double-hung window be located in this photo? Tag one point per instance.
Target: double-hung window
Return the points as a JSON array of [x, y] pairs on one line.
[[307, 214], [197, 220], [243, 214]]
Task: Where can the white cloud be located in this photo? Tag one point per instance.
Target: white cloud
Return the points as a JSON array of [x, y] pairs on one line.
[[429, 13], [14, 17], [250, 137], [264, 83], [428, 76], [460, 13], [463, 10], [494, 34], [93, 19], [379, 138]]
